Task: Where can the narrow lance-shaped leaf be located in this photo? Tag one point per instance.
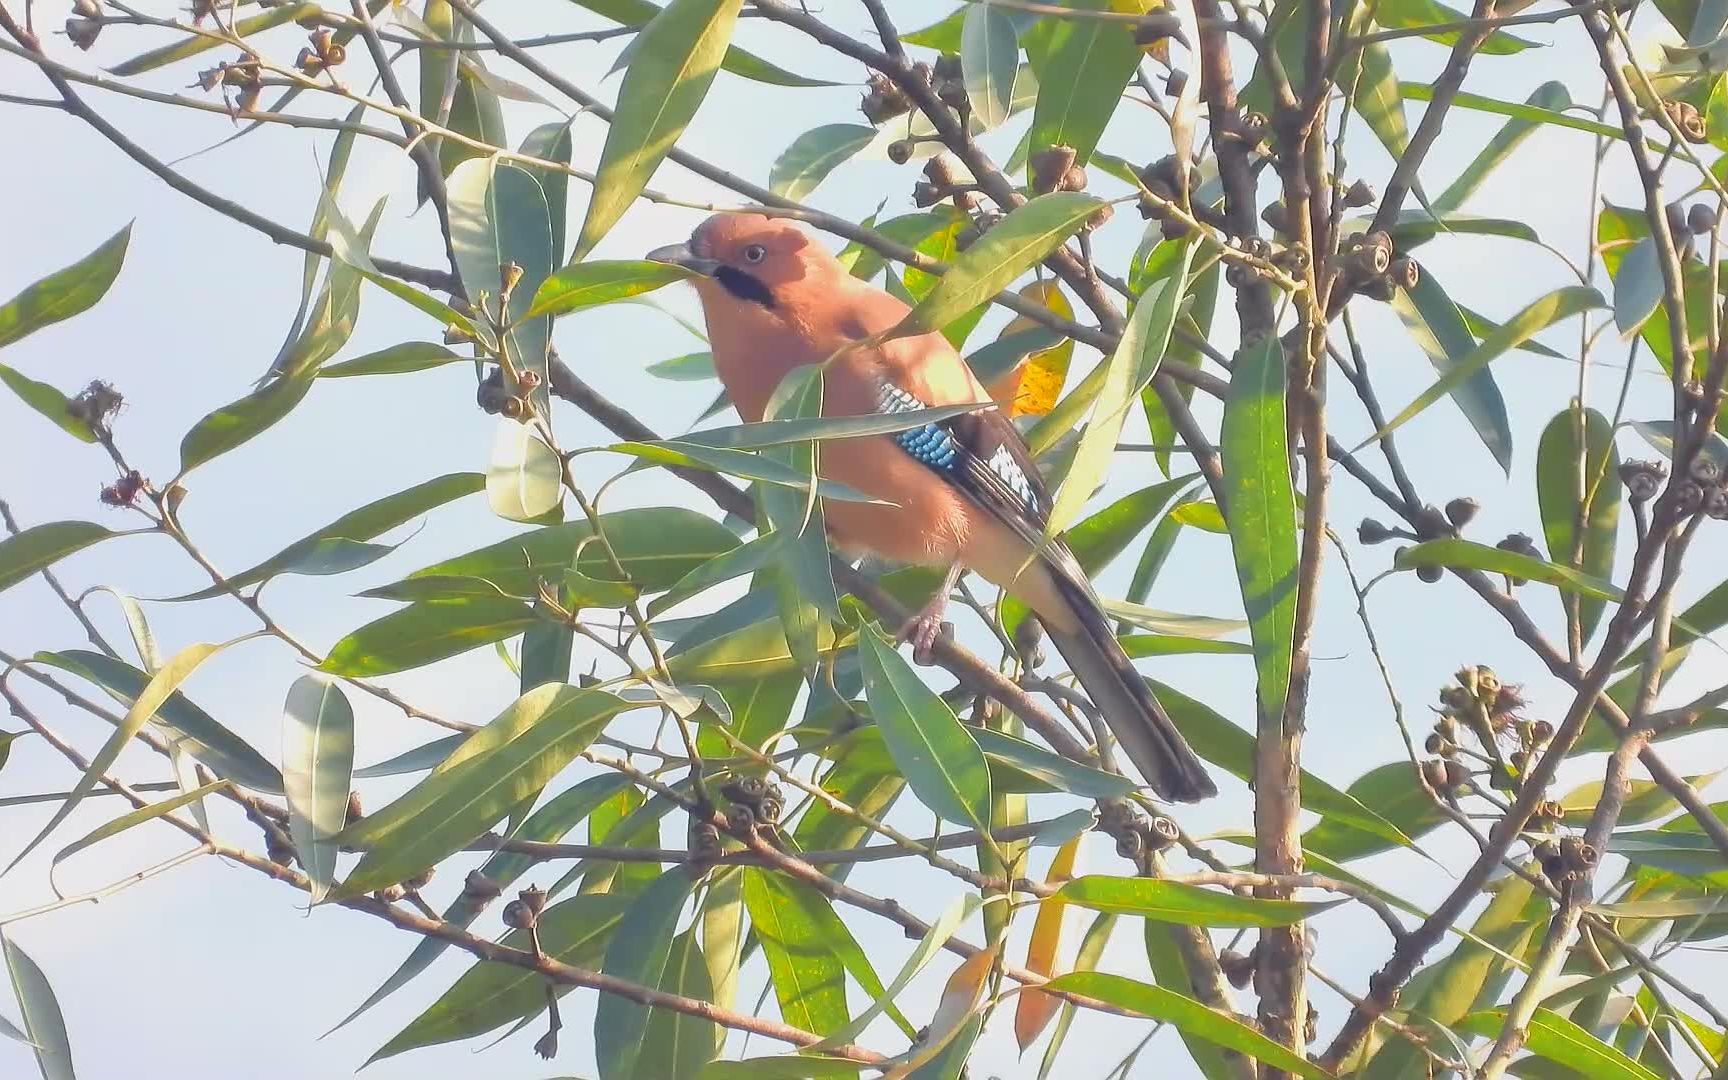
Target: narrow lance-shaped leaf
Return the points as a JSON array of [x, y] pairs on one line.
[[1188, 905], [161, 685], [1578, 483], [639, 952], [1558, 1039], [1554, 307], [1550, 95], [1469, 555], [676, 57], [147, 812], [317, 767], [64, 293], [989, 58], [1082, 66], [41, 546], [939, 759], [1131, 366], [1189, 1016], [49, 402], [498, 215], [1020, 240], [525, 477], [803, 581], [802, 166], [1035, 1008], [1443, 334], [1262, 514], [603, 281], [43, 1022], [808, 978], [1638, 287], [408, 357]]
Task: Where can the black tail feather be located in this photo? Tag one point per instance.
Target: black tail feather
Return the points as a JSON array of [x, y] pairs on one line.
[[1133, 714]]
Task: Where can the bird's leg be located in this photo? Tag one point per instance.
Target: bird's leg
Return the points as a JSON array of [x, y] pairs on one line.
[[925, 628]]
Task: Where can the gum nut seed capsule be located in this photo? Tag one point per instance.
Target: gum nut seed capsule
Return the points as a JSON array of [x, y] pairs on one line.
[[1173, 229], [535, 897], [514, 408], [1359, 194], [1456, 775], [1405, 273], [1380, 288], [900, 151], [390, 894], [480, 886], [1701, 218], [925, 194], [1430, 573], [1461, 511], [1049, 166], [1276, 217], [1372, 532], [1676, 215], [1074, 179], [1706, 469], [1434, 774], [518, 915]]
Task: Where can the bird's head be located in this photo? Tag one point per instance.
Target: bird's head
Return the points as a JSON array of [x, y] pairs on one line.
[[743, 260]]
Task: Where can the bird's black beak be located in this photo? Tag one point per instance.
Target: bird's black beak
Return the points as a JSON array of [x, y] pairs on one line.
[[681, 255]]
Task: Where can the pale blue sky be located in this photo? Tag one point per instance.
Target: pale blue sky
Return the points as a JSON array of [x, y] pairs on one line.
[[213, 971]]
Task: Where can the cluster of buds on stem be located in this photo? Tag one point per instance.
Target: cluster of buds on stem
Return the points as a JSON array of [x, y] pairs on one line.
[[1704, 488], [1372, 268], [322, 54], [96, 406], [1139, 836], [1687, 224], [883, 100], [756, 803], [244, 75], [944, 178], [1479, 707], [1161, 179]]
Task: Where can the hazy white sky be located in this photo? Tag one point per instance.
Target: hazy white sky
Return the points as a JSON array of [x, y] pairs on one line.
[[212, 971]]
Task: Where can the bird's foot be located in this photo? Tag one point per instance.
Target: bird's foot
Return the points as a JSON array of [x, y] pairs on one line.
[[924, 630]]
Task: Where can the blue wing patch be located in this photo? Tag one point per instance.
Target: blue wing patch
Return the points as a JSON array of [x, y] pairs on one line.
[[936, 446]]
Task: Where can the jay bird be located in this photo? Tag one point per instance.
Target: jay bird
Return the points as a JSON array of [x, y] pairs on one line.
[[959, 493]]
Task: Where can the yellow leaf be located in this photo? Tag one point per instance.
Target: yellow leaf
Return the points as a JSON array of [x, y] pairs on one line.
[[1035, 1008], [960, 1000], [1201, 515], [1032, 388]]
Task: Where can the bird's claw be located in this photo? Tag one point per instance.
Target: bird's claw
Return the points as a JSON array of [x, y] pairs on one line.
[[924, 630]]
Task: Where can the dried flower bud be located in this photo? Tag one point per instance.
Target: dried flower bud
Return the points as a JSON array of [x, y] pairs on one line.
[[900, 151], [96, 405], [1716, 504], [89, 9], [1706, 468], [1049, 166], [1380, 288], [1461, 511], [1643, 479], [925, 194], [1688, 498], [83, 32], [534, 897], [527, 380], [1701, 218], [1436, 775], [1430, 573], [1277, 218], [1687, 120], [884, 100], [1437, 745], [479, 888], [1405, 273], [1238, 968], [1372, 532], [389, 894], [1359, 194], [1456, 775], [518, 916], [509, 276]]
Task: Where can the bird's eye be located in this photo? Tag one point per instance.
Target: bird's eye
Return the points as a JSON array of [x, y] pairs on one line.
[[755, 253]]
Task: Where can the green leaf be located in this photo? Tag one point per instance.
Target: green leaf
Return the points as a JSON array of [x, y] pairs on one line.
[[803, 166], [788, 1067], [785, 430], [551, 142], [737, 61], [1415, 14], [1232, 749], [1580, 482], [676, 57], [1130, 368], [745, 559], [938, 757], [396, 360], [194, 44], [603, 281], [1046, 771], [424, 302], [368, 521], [656, 545], [1188, 1016], [1638, 287], [317, 768], [47, 401], [1550, 95], [548, 824], [161, 685], [148, 812], [1168, 960], [498, 215], [426, 631], [801, 578], [239, 421], [43, 1022], [1262, 513], [64, 293], [944, 35], [41, 546], [1467, 554], [1020, 240], [691, 367], [1396, 796], [639, 952], [861, 784], [525, 477], [1186, 905], [1416, 227], [1556, 306], [184, 724], [989, 58], [794, 927], [1415, 91], [1082, 66], [740, 463], [1474, 972], [1558, 1039], [488, 995], [675, 1043], [1367, 73], [470, 793], [1443, 334]]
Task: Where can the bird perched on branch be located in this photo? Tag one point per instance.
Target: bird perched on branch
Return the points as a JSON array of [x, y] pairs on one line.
[[962, 493]]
